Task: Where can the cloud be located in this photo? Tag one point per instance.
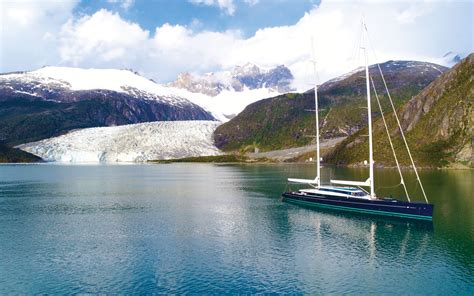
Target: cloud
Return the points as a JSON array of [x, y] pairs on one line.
[[125, 4], [227, 5], [106, 40], [410, 14], [202, 51], [101, 38], [29, 30], [251, 2]]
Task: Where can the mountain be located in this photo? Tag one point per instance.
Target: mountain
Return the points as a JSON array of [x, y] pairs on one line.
[[438, 124], [53, 100], [129, 143], [248, 76], [13, 155], [284, 121]]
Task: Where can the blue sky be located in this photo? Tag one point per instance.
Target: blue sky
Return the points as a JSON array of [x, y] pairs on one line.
[[163, 38], [247, 17]]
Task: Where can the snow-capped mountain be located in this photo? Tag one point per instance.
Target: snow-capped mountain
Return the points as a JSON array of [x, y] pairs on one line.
[[53, 100], [241, 78], [65, 84], [402, 70], [129, 143]]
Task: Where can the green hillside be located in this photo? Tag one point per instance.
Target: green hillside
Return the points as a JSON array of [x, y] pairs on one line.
[[286, 121], [438, 123]]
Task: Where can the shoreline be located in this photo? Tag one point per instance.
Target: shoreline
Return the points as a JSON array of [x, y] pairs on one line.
[[240, 159], [244, 159]]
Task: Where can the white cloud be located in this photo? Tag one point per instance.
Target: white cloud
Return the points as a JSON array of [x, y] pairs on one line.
[[199, 51], [28, 32], [251, 2], [102, 37], [105, 39], [125, 4], [227, 5], [410, 14], [22, 15]]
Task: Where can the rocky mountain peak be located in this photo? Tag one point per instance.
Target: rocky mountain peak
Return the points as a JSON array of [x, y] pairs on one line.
[[246, 70], [248, 76]]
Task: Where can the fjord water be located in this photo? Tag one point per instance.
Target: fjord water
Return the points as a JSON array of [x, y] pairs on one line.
[[207, 228]]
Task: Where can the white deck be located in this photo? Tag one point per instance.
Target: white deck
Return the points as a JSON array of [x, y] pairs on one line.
[[350, 192]]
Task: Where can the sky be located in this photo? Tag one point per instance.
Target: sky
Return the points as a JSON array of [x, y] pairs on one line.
[[162, 38]]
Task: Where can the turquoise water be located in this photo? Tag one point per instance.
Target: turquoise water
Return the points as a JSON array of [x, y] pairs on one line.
[[206, 228]]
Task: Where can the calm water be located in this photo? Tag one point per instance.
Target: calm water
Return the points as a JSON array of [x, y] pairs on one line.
[[222, 228]]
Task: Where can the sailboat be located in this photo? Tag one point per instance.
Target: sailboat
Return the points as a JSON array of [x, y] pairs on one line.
[[350, 195]]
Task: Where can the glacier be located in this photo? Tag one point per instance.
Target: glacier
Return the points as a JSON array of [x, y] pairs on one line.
[[129, 143]]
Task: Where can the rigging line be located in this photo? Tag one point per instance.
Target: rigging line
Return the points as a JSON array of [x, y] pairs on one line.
[[396, 117], [385, 187], [391, 186], [415, 186], [390, 140]]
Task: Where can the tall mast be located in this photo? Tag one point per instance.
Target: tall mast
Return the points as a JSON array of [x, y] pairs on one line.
[[317, 180], [318, 158], [369, 113]]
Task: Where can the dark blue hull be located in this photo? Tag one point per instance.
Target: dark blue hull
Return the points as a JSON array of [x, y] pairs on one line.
[[385, 207]]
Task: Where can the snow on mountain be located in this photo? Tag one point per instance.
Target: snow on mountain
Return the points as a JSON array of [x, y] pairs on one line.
[[78, 79], [229, 103], [389, 68], [65, 84], [241, 78], [227, 93], [129, 143], [110, 79], [334, 81]]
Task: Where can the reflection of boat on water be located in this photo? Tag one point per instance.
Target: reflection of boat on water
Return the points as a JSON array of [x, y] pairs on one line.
[[349, 195], [401, 238], [358, 217]]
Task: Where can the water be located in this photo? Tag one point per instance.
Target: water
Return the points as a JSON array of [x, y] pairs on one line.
[[206, 228]]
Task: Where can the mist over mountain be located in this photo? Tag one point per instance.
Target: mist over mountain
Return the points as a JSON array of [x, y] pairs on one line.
[[451, 58]]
